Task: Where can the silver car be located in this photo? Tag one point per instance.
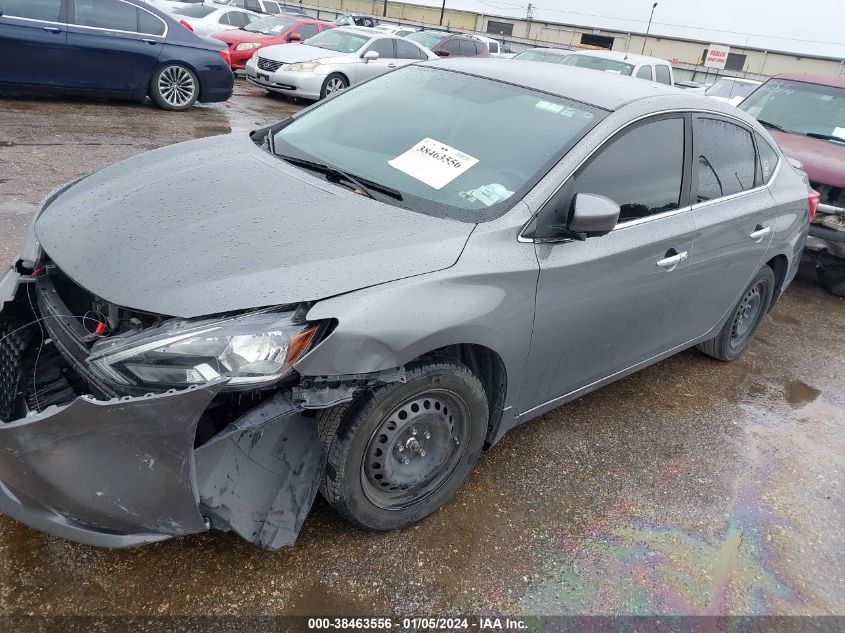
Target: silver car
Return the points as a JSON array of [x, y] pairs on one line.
[[331, 61], [432, 258]]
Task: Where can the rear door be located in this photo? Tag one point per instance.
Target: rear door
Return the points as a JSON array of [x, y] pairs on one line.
[[609, 303], [33, 38], [733, 216], [113, 46]]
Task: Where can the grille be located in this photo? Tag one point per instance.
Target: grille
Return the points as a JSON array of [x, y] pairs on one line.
[[12, 346], [834, 196], [268, 64]]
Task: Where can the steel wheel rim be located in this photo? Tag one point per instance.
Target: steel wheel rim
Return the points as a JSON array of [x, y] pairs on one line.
[[747, 314], [335, 84], [415, 449], [176, 86]]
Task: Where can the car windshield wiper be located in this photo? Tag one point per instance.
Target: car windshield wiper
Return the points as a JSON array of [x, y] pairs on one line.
[[825, 137], [334, 173], [771, 125]]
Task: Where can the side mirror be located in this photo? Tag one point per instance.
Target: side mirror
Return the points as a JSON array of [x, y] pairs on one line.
[[594, 215], [370, 56], [294, 37], [588, 215], [442, 53]]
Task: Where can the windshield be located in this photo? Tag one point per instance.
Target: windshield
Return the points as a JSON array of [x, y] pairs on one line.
[[269, 26], [427, 38], [730, 89], [340, 41], [196, 11], [598, 63], [451, 145], [541, 56], [799, 108]]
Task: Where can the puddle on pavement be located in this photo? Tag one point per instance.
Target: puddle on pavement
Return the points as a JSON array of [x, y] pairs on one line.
[[798, 393]]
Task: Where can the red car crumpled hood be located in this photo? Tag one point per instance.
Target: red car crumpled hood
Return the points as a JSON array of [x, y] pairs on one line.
[[237, 36], [823, 161]]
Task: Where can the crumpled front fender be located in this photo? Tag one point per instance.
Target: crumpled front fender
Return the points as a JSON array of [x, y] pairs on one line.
[[117, 473]]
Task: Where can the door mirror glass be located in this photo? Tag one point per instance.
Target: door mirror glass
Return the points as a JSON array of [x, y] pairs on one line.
[[593, 214], [294, 37], [442, 53], [370, 56]]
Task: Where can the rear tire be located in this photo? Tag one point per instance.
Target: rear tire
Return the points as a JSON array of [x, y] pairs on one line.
[[830, 272], [739, 330], [399, 451], [174, 87], [333, 83]]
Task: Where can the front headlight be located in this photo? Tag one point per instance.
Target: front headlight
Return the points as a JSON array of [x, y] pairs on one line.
[[250, 350], [302, 66], [247, 46]]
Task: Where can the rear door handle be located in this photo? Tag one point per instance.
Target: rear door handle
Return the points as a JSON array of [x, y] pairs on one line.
[[670, 262], [760, 232], [151, 42], [51, 29]]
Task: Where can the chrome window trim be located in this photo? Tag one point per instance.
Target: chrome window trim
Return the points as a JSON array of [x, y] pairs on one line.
[[17, 17], [657, 216], [140, 8]]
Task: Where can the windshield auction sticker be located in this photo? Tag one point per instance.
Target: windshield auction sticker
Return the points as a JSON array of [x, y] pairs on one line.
[[434, 163]]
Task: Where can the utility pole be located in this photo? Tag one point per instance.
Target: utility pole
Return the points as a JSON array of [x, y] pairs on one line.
[[529, 15], [648, 29], [384, 11], [442, 11]]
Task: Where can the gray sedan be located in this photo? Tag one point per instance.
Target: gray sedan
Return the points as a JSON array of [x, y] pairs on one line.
[[429, 260], [331, 61]]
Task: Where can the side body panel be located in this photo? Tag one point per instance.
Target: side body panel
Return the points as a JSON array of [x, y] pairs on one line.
[[34, 51]]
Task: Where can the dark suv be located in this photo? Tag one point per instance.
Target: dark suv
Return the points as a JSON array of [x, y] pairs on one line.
[[445, 44], [806, 116]]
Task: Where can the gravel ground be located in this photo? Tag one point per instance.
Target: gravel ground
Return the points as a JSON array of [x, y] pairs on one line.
[[692, 487]]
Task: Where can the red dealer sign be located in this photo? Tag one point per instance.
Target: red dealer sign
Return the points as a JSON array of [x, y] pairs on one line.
[[717, 56]]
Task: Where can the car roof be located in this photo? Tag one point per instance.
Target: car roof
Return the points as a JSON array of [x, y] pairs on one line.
[[541, 49], [740, 80], [362, 30], [605, 90], [822, 80], [620, 56]]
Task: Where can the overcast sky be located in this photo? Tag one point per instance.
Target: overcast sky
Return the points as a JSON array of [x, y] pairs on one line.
[[814, 27]]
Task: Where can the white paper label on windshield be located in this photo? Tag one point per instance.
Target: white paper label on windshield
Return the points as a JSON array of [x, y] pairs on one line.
[[433, 163], [487, 195]]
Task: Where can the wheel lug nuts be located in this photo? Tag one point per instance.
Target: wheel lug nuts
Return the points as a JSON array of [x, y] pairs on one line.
[[422, 453], [457, 441], [413, 430], [399, 447], [427, 435], [406, 461]]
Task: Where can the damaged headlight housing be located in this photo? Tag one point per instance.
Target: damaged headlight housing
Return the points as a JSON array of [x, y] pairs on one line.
[[250, 350]]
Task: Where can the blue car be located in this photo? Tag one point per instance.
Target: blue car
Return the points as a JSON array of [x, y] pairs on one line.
[[109, 48]]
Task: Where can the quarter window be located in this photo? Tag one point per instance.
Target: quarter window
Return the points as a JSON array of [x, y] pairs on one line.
[[47, 10], [663, 75], [149, 24], [107, 14], [768, 159], [725, 159], [641, 170], [645, 73]]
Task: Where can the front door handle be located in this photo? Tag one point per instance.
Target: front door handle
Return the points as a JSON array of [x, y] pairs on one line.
[[151, 42], [51, 29], [393, 65], [672, 259], [760, 232]]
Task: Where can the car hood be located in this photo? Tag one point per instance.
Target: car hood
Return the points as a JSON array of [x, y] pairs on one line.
[[824, 161], [292, 53], [219, 225]]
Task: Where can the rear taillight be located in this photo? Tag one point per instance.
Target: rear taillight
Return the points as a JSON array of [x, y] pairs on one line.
[[226, 56], [813, 198], [186, 25]]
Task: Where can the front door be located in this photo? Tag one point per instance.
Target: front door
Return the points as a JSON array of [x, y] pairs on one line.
[[386, 60], [732, 212], [113, 46], [33, 39], [608, 303]]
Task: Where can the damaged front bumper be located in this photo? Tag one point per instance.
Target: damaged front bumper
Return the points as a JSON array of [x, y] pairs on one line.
[[127, 471]]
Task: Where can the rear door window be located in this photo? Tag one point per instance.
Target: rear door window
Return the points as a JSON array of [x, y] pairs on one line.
[[725, 159], [307, 30], [236, 18], [494, 47], [107, 14], [663, 75], [197, 11], [645, 73], [272, 7], [47, 10], [642, 170], [406, 50]]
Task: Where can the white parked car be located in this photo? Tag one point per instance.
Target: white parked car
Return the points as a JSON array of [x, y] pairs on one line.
[[548, 55], [169, 6], [617, 62], [204, 19], [732, 90], [331, 61], [496, 48]]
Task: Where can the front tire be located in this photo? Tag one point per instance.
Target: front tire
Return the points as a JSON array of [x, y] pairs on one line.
[[333, 83], [399, 451], [747, 315], [174, 87]]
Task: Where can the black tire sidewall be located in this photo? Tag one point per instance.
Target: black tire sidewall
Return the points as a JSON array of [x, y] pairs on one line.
[[727, 352], [159, 100], [362, 420], [323, 94]]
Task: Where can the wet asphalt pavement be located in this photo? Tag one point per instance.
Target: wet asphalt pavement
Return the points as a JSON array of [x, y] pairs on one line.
[[691, 487]]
